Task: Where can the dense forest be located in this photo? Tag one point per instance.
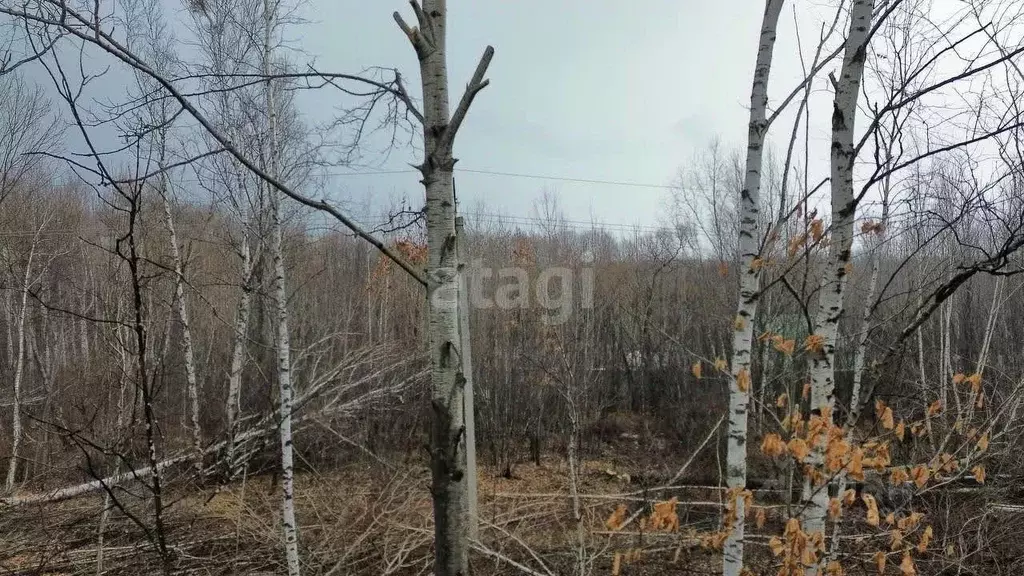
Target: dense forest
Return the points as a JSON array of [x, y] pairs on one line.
[[210, 366]]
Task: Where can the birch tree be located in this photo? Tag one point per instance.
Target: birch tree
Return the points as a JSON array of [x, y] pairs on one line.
[[449, 483], [27, 281], [283, 339], [822, 343], [743, 325]]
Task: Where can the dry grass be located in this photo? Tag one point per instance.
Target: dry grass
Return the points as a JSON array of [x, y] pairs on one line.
[[369, 520]]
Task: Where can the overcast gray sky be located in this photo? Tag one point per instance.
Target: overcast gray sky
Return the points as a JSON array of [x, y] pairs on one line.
[[601, 90], [597, 90]]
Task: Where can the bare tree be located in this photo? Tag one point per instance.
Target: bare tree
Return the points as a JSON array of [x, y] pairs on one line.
[[448, 407]]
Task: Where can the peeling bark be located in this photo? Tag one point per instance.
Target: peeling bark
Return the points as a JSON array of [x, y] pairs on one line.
[[749, 282], [836, 270]]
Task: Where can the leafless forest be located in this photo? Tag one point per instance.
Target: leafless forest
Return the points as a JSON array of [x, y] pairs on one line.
[[811, 365]]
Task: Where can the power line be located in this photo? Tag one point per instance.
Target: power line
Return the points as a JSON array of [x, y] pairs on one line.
[[519, 175]]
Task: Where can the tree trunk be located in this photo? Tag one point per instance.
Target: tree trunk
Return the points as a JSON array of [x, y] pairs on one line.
[[449, 482], [238, 351], [749, 281], [283, 345], [191, 380], [835, 273], [19, 371], [466, 347]]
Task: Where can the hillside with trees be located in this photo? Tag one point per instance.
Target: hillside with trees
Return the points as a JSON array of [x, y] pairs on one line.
[[808, 363]]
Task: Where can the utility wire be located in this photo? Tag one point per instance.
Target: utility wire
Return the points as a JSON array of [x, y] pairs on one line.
[[518, 175]]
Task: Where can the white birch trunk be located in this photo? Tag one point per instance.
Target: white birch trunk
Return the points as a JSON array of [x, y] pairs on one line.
[[191, 380], [283, 345], [19, 368], [859, 356], [749, 286], [447, 383], [834, 275], [466, 348], [238, 350]]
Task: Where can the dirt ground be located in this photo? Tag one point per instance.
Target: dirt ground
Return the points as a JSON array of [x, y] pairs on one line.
[[373, 520]]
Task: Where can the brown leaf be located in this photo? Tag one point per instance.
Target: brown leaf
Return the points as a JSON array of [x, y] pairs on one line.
[[772, 445], [907, 566], [743, 380], [880, 559], [887, 419], [814, 343], [926, 538], [979, 473], [872, 515], [615, 521], [799, 449], [696, 369], [920, 475], [835, 508], [983, 443]]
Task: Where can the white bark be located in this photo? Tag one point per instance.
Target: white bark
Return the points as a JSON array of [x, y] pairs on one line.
[[238, 351], [834, 275], [191, 380], [283, 344], [749, 286], [448, 404], [19, 366], [860, 355], [466, 348]]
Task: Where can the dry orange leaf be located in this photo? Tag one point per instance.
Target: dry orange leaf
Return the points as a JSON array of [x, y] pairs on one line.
[[776, 545], [899, 476], [979, 474], [935, 408], [983, 443], [772, 445], [920, 475], [739, 323], [787, 347], [880, 559], [760, 517], [696, 369], [817, 229], [799, 449], [856, 466], [814, 343], [834, 569], [721, 365], [849, 497], [835, 509], [901, 430], [872, 516], [907, 566], [743, 380], [926, 538], [618, 517], [887, 419], [895, 540], [806, 392]]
